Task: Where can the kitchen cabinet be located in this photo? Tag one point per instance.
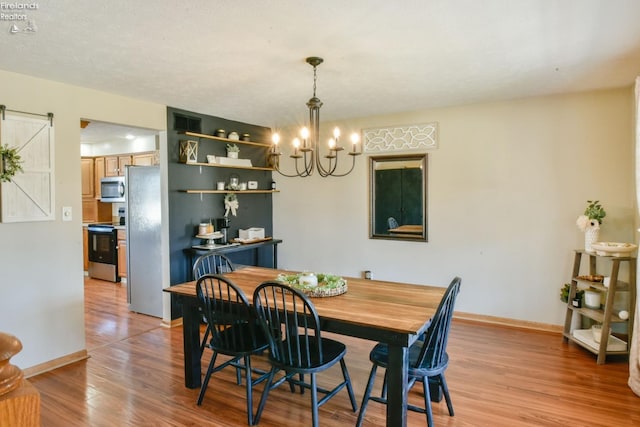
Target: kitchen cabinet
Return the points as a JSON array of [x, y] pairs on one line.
[[122, 162], [85, 248], [122, 253], [92, 209], [95, 211], [144, 159], [87, 167], [98, 174], [115, 165], [605, 315]]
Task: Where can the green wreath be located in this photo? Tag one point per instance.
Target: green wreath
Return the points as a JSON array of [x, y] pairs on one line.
[[10, 164]]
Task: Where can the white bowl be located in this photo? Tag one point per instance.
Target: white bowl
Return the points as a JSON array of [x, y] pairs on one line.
[[211, 159], [613, 248]]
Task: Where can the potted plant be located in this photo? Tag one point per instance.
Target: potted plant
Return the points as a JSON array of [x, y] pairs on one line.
[[589, 223], [10, 163], [232, 151], [564, 293]]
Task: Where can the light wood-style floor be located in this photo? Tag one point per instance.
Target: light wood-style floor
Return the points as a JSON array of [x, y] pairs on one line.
[[497, 376]]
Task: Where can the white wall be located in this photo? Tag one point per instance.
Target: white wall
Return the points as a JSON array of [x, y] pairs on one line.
[[41, 279], [505, 188]]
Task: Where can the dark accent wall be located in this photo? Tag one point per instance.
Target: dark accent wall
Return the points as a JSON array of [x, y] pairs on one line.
[[186, 211]]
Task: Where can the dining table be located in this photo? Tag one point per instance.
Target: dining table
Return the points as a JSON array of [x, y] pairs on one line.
[[382, 311]]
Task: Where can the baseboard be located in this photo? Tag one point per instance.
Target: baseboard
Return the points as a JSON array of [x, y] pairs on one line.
[[504, 321], [173, 323], [55, 363]]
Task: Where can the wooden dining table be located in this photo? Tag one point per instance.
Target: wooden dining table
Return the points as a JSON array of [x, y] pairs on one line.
[[389, 312]]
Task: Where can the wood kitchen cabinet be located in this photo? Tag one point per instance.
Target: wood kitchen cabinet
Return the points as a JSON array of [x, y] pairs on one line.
[[95, 211], [87, 168], [98, 174], [115, 165], [85, 248], [122, 162], [122, 253], [144, 159]]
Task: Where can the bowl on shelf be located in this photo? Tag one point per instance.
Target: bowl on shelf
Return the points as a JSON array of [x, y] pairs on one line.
[[613, 248], [596, 330], [211, 159]]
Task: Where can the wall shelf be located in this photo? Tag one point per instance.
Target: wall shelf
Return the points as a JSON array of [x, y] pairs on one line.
[[215, 165], [232, 141], [230, 191]]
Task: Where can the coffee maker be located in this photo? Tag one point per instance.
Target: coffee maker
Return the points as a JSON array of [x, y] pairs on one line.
[[222, 225]]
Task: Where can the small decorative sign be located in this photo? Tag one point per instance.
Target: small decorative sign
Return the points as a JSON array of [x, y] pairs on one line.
[[401, 138]]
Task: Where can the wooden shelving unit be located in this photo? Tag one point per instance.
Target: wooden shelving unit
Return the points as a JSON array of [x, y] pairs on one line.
[[609, 344]]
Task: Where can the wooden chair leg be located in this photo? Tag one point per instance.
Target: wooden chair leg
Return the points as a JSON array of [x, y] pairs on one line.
[[427, 401], [265, 393], [314, 400], [249, 384], [445, 391], [205, 383], [367, 393], [347, 380]]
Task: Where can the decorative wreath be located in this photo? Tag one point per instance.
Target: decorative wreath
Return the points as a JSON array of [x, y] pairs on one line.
[[329, 285], [10, 163]]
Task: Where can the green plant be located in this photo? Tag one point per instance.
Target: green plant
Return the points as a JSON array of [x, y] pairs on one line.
[[595, 211], [233, 148], [10, 163], [564, 292]]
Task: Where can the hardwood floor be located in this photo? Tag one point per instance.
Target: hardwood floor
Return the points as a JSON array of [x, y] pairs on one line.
[[497, 376]]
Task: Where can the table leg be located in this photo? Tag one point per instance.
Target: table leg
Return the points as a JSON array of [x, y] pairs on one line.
[[397, 391], [275, 256], [191, 342]]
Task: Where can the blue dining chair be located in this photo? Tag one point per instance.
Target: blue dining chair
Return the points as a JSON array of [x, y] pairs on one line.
[[210, 263], [296, 346], [234, 332], [392, 222], [428, 359]]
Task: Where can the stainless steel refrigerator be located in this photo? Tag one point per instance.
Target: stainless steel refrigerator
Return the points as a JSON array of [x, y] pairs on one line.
[[143, 223]]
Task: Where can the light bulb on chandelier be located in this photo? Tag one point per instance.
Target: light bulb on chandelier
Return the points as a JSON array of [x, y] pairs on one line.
[[309, 149]]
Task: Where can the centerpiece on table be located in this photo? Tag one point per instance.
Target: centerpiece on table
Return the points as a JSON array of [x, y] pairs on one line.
[[590, 223], [315, 284]]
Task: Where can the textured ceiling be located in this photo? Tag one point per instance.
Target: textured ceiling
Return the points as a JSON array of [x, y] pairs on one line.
[[244, 59]]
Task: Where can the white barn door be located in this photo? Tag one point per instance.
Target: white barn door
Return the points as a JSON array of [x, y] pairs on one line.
[[29, 196]]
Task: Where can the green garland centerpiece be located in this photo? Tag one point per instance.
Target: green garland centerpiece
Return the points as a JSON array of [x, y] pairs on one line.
[[10, 163], [328, 284]]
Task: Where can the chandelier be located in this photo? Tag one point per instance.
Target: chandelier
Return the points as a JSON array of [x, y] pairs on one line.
[[306, 149]]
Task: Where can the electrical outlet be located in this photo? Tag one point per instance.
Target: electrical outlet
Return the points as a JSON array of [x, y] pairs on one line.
[[67, 214]]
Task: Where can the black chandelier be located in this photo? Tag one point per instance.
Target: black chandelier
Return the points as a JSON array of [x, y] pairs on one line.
[[307, 146]]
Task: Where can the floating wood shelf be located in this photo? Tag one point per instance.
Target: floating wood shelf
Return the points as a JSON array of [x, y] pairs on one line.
[[232, 141], [216, 165], [230, 191]]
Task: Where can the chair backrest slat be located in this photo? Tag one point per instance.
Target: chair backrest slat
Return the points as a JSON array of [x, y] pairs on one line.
[[291, 323], [231, 318], [212, 263], [433, 351]]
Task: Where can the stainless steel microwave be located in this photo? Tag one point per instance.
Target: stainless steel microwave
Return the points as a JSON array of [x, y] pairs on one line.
[[112, 189]]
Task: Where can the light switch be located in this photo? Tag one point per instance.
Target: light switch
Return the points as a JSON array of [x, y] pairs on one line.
[[67, 213]]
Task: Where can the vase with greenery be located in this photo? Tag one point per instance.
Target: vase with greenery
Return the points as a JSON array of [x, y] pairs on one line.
[[10, 163], [589, 222], [232, 151]]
